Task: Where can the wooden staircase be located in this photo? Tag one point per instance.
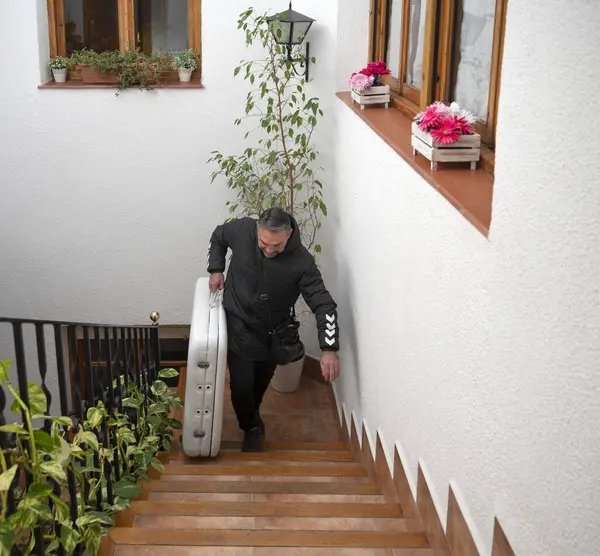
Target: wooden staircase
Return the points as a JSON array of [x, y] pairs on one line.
[[297, 498]]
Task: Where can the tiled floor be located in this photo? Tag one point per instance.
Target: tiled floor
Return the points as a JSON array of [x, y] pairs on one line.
[[307, 415]]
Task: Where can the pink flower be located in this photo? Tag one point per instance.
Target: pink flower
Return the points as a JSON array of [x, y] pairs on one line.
[[430, 118], [463, 125], [447, 133], [359, 81]]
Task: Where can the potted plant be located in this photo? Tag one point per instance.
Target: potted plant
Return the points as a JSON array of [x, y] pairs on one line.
[[185, 62], [444, 133], [59, 66], [280, 168], [367, 87]]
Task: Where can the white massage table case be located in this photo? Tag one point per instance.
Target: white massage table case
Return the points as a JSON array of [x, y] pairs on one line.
[[206, 368]]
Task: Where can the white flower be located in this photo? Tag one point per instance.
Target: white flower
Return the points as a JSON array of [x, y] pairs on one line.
[[455, 109], [467, 116]]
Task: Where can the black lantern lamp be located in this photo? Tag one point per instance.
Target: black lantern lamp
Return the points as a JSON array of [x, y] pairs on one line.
[[289, 28]]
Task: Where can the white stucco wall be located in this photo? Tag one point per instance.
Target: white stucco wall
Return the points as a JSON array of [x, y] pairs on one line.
[[480, 358]]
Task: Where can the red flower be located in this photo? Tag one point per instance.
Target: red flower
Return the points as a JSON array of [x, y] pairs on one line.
[[379, 68], [366, 71], [447, 133], [430, 118]]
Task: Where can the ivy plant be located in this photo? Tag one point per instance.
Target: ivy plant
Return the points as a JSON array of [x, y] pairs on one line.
[[49, 454], [279, 168]]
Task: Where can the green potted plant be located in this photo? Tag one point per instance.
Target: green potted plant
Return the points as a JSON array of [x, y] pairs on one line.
[[59, 66], [185, 62], [280, 168]]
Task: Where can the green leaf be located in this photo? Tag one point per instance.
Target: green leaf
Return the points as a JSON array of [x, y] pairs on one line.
[[64, 452], [40, 489], [7, 536], [17, 429], [157, 408], [157, 465], [37, 506], [69, 538], [94, 517], [131, 402], [159, 388], [61, 509], [52, 547], [7, 477], [37, 398], [4, 366], [92, 537], [86, 437], [94, 417], [168, 373], [44, 441], [54, 469], [126, 489]]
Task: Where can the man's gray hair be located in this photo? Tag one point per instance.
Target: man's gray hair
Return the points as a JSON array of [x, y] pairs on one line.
[[275, 220]]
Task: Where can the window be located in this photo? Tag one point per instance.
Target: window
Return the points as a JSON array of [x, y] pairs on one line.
[[151, 25], [447, 50]]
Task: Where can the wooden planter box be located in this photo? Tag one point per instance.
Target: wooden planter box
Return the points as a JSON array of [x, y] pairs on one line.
[[373, 95], [94, 77], [466, 149]]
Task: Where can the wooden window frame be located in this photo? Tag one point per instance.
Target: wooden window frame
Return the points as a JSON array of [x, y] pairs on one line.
[[439, 46], [127, 39]]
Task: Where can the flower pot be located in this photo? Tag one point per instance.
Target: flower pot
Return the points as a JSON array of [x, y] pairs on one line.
[[376, 94], [94, 77], [287, 377], [60, 75], [185, 75]]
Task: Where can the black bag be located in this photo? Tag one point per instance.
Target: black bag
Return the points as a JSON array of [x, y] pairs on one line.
[[286, 346]]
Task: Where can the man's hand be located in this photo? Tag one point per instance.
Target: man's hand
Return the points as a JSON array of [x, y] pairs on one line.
[[216, 282], [330, 365]]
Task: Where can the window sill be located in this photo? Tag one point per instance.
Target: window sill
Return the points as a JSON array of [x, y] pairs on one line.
[[76, 84], [469, 191]]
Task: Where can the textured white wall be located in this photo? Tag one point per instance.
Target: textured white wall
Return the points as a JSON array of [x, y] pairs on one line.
[[481, 358]]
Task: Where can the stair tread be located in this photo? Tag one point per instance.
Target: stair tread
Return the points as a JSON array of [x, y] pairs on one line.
[[266, 487], [252, 538], [285, 455], [209, 468], [284, 446], [266, 509]]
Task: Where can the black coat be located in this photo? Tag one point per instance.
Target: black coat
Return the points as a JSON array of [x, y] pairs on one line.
[[260, 292]]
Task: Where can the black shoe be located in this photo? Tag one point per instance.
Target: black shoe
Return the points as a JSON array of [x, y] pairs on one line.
[[259, 422], [252, 440]]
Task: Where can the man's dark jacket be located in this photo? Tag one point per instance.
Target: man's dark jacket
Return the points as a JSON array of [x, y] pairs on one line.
[[260, 292]]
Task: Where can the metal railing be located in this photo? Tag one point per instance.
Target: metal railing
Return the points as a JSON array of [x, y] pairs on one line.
[[93, 363]]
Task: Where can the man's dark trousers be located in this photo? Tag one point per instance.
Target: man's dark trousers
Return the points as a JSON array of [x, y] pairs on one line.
[[249, 381]]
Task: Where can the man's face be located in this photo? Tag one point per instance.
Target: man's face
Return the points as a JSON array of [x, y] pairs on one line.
[[272, 243]]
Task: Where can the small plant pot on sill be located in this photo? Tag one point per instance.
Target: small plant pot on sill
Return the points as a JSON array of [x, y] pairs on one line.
[[378, 94], [94, 77], [466, 149], [287, 377], [185, 75], [60, 75]]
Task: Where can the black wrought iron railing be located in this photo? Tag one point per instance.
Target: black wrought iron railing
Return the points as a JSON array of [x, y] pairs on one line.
[[77, 366]]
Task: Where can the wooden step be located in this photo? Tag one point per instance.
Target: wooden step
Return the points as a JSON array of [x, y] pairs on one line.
[[262, 551], [271, 509], [282, 456], [267, 487], [346, 470], [292, 446], [252, 538]]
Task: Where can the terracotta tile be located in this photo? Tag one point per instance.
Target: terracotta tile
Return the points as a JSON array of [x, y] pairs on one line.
[[314, 524], [397, 524], [371, 499], [321, 551], [183, 551], [194, 522], [211, 478], [304, 498], [298, 479], [199, 497]]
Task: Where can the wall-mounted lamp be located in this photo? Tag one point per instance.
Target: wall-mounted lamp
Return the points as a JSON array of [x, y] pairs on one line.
[[289, 29]]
